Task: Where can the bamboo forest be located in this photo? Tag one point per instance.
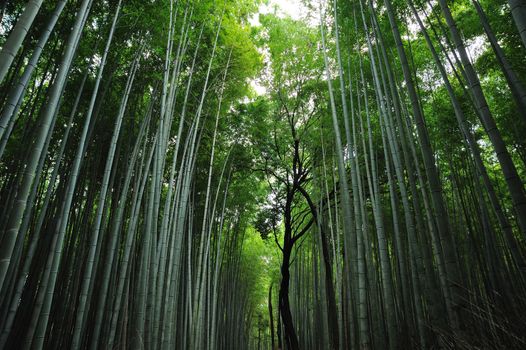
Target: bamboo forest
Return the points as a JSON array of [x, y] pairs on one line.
[[262, 174]]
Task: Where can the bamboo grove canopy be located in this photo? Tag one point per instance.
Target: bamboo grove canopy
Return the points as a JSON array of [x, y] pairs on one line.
[[201, 174]]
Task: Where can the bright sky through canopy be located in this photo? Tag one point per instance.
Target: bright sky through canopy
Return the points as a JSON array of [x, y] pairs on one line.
[[293, 8]]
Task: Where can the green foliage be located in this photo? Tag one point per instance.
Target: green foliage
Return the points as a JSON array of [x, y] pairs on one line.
[[257, 137], [266, 222]]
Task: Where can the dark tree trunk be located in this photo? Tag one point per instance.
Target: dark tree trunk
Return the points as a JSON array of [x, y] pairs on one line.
[[291, 339]]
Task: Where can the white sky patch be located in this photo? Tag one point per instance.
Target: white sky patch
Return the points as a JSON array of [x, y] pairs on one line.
[[282, 8], [258, 88], [292, 8]]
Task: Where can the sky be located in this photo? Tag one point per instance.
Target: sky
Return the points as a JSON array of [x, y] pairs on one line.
[[292, 8]]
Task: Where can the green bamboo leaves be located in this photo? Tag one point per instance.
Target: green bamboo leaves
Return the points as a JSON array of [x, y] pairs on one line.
[[179, 174]]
